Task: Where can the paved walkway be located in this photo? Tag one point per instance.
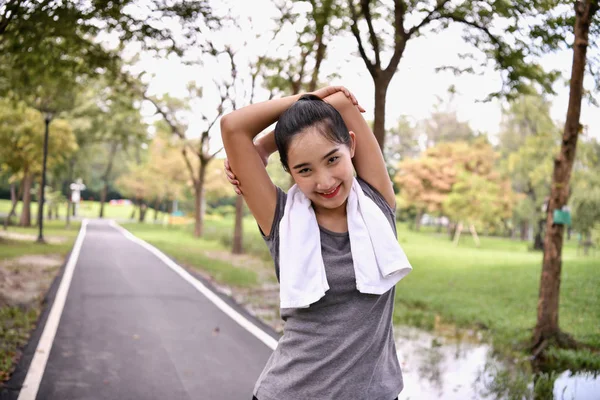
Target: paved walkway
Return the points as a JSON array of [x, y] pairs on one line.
[[132, 328]]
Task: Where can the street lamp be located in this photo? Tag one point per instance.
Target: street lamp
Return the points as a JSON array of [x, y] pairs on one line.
[[47, 119]]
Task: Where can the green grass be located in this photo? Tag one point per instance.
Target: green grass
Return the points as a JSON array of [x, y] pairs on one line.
[[15, 325], [87, 209], [52, 229], [179, 242], [496, 286], [16, 322]]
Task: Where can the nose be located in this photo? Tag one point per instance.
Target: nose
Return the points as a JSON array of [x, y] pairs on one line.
[[325, 181]]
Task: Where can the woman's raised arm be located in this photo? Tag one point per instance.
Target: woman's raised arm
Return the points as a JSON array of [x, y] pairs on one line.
[[238, 130], [368, 159]]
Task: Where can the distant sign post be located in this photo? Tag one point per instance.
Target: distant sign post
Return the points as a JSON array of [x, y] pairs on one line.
[[76, 189]]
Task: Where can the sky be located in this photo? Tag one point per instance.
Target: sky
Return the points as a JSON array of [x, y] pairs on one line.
[[414, 91]]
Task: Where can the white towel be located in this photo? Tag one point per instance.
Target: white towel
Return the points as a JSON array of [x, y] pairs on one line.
[[379, 261]]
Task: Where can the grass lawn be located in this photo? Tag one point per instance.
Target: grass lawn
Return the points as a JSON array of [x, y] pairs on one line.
[[178, 242], [493, 288], [17, 321]]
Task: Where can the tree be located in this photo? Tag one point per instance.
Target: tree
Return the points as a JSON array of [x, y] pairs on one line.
[[444, 126], [300, 69], [447, 178], [47, 47], [159, 177], [511, 54], [122, 129], [586, 214], [479, 198], [528, 140], [21, 136], [402, 144], [586, 21], [196, 154]]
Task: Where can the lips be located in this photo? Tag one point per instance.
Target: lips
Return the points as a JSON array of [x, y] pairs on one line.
[[332, 193]]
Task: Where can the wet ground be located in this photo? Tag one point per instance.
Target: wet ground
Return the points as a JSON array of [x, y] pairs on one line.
[[458, 368]]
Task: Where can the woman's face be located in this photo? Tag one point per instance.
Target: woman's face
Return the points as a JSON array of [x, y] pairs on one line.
[[322, 169]]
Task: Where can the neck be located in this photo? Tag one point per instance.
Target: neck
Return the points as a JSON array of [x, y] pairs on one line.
[[331, 212]]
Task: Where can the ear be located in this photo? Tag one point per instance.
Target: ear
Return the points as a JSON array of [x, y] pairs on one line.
[[352, 143]]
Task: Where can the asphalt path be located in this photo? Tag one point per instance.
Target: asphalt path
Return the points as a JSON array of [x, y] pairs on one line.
[[132, 328]]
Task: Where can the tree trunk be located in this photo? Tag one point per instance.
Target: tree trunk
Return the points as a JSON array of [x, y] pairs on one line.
[[199, 197], [238, 247], [157, 203], [143, 209], [103, 194], [132, 216], [26, 211], [451, 227], [538, 243], [381, 86], [418, 218], [111, 157], [14, 198], [547, 313], [524, 229]]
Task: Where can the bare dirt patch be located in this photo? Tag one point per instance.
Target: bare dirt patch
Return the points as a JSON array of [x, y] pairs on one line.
[[31, 237], [25, 279]]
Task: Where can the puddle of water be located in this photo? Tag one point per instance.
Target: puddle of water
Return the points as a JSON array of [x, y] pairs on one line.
[[577, 387], [454, 368]]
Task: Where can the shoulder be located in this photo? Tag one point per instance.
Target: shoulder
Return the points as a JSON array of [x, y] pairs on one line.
[[377, 198], [279, 209]]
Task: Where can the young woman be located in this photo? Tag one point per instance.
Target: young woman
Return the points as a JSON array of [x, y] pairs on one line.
[[341, 345]]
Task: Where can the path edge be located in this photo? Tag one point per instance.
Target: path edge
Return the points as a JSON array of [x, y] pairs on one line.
[[225, 303], [12, 387]]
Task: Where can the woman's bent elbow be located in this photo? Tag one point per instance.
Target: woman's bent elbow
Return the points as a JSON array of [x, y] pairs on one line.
[[225, 125]]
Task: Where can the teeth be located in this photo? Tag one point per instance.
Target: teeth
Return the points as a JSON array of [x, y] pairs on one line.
[[331, 191]]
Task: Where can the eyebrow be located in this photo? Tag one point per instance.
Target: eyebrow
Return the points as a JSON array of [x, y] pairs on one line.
[[324, 157]]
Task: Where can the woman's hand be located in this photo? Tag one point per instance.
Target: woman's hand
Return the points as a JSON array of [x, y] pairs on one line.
[[329, 90], [264, 156]]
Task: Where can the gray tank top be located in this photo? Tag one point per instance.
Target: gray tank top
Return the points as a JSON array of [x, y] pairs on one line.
[[341, 347]]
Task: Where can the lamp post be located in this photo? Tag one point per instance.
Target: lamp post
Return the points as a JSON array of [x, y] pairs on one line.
[[47, 119]]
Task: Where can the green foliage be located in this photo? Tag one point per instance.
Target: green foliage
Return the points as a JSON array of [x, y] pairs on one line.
[[576, 360], [21, 139], [457, 180], [586, 210], [529, 140]]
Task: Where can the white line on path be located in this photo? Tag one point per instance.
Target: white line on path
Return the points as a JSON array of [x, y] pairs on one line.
[[217, 301], [40, 358]]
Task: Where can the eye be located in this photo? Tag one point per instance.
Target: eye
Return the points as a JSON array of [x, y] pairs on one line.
[[303, 171], [333, 159]]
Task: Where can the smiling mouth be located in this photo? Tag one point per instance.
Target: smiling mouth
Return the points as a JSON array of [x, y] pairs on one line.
[[332, 193]]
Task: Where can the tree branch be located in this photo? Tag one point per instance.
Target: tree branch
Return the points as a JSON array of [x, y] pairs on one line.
[[172, 124], [189, 165], [356, 33], [215, 153], [366, 11], [399, 37], [428, 18], [472, 24]]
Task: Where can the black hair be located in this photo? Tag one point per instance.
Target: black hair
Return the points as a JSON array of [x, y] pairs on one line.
[[309, 112]]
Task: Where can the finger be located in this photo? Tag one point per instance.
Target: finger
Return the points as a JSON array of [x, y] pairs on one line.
[[226, 163], [361, 109], [238, 191]]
